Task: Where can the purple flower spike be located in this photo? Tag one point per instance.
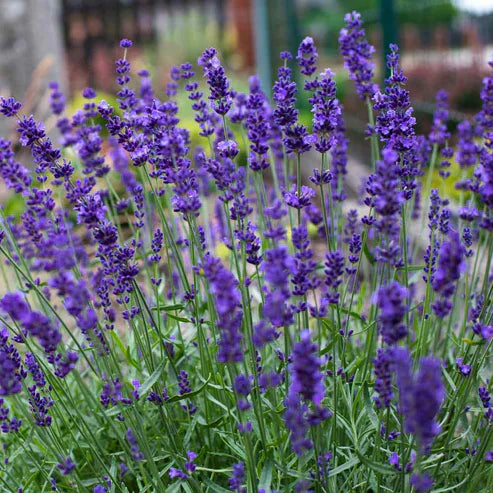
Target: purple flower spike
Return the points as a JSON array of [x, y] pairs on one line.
[[284, 95], [224, 288], [357, 54], [10, 366], [307, 378], [57, 99], [390, 300], [66, 466], [228, 149], [438, 133], [306, 386], [9, 107], [184, 382], [277, 267], [386, 197], [89, 93], [395, 123], [296, 423], [451, 264], [220, 93], [304, 279], [420, 396], [35, 323], [257, 123], [307, 57], [326, 111], [421, 482], [334, 268], [464, 369], [301, 200], [237, 478], [383, 378], [135, 452], [467, 149], [485, 397]]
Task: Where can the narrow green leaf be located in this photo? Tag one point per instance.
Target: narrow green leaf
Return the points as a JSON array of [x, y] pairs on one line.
[[213, 487], [190, 430], [169, 308], [455, 487], [203, 422], [177, 398], [152, 379], [329, 346], [235, 448], [368, 254], [343, 467], [369, 408], [352, 313], [266, 475], [449, 380], [374, 466], [179, 319], [413, 268]]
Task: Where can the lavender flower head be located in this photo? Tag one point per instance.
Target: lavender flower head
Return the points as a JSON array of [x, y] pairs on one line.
[[395, 122], [386, 197], [135, 452], [485, 397], [297, 424], [66, 465], [467, 152], [35, 323], [277, 267], [357, 54], [306, 386], [451, 264], [420, 396], [307, 378], [220, 93], [9, 106], [326, 111], [307, 57], [10, 364], [334, 269], [421, 482], [258, 127], [284, 95], [237, 478], [227, 297], [438, 134], [391, 303], [383, 378]]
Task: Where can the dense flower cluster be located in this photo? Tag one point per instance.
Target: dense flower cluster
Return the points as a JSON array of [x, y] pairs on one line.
[[420, 396], [182, 309]]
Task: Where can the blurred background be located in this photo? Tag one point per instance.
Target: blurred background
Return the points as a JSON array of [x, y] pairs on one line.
[[445, 43]]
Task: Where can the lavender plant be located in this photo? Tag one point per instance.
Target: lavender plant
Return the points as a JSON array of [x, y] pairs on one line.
[[212, 318]]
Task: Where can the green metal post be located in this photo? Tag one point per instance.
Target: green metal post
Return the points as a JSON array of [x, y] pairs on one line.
[[262, 44], [390, 32], [292, 25]]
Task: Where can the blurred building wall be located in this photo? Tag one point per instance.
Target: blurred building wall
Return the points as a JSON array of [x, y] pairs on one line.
[[241, 15], [31, 50]]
